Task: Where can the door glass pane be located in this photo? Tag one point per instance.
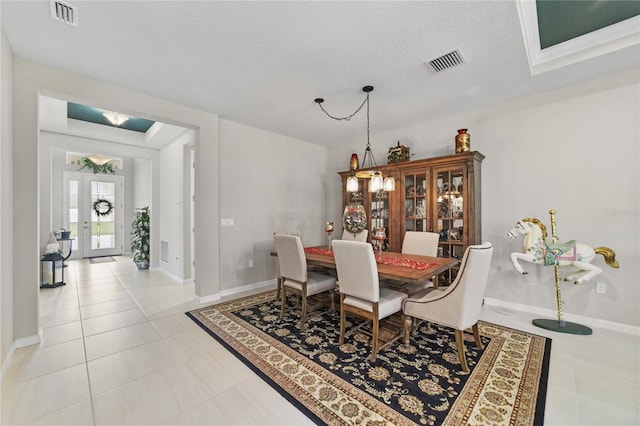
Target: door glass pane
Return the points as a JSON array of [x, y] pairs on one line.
[[102, 215], [73, 213]]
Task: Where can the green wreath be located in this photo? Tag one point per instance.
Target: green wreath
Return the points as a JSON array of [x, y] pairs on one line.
[[102, 207]]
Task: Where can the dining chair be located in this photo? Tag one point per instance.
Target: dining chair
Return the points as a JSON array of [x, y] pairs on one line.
[[422, 244], [457, 306], [296, 277], [360, 236], [360, 292], [278, 274]]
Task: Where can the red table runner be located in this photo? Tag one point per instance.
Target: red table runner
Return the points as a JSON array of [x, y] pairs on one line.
[[385, 260]]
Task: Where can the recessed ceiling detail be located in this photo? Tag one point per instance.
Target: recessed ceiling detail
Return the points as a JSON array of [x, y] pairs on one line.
[[560, 21], [95, 115], [64, 12], [447, 61]]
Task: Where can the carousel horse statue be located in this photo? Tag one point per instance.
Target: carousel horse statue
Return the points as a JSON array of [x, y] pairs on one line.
[[538, 250]]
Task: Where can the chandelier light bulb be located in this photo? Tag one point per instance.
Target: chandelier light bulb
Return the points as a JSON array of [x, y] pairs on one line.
[[115, 117], [376, 183], [352, 184]]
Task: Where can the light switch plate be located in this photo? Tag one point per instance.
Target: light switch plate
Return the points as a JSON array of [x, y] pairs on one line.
[[226, 222]]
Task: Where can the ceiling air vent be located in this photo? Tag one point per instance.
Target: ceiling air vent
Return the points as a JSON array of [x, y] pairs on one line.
[[64, 12], [447, 61]]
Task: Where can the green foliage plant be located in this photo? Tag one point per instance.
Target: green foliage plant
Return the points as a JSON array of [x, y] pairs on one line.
[[140, 232], [105, 169]]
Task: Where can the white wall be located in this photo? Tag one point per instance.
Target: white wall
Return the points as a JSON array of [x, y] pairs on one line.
[[172, 204], [575, 150], [268, 182], [6, 198], [141, 182], [30, 80]]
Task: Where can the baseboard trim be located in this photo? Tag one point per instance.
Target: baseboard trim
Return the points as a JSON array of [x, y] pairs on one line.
[[7, 361], [208, 298], [19, 343], [550, 313], [233, 291], [172, 276], [248, 287]]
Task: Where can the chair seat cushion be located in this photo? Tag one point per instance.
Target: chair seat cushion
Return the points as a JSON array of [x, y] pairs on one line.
[[390, 302], [316, 283], [413, 288]]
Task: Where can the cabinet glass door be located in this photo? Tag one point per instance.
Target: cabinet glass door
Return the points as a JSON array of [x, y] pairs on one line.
[[415, 202], [379, 220], [450, 216]]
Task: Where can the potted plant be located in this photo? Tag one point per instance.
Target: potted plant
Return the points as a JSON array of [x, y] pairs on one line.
[[140, 238]]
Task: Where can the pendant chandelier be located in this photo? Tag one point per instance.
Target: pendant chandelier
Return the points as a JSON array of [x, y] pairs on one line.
[[376, 182]]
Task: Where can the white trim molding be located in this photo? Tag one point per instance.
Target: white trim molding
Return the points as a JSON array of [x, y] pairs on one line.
[[605, 40], [550, 313]]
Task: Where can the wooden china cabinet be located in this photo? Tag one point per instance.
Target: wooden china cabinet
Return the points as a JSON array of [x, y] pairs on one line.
[[440, 194]]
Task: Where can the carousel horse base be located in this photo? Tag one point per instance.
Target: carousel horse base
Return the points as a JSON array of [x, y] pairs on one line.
[[562, 326]]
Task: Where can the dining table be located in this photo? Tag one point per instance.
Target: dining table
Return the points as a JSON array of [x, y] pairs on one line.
[[407, 268]]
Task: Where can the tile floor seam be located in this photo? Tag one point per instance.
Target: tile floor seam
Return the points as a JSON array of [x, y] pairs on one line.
[[86, 361]]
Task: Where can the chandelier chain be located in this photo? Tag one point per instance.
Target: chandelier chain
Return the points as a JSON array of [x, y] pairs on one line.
[[350, 116]]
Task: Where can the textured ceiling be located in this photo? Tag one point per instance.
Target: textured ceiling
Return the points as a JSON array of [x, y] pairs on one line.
[[263, 63]]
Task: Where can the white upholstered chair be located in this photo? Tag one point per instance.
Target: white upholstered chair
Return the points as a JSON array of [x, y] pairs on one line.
[[360, 236], [360, 292], [278, 275], [296, 277], [457, 306], [423, 244]]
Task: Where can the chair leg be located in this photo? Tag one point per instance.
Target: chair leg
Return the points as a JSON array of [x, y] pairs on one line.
[[343, 316], [407, 325], [303, 319], [374, 332], [332, 295], [282, 301], [374, 339], [476, 335], [278, 287], [460, 346]]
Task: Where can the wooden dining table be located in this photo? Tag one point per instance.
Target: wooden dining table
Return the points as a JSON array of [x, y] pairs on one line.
[[390, 264]]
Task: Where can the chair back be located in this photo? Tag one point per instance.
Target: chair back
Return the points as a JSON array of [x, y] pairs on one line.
[[360, 236], [291, 259], [467, 290], [421, 243], [357, 269]]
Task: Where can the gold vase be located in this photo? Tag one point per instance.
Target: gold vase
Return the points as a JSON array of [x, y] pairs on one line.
[[354, 164], [463, 141]]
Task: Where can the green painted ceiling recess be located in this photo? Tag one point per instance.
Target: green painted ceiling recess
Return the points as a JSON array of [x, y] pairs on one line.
[[94, 115], [562, 20]]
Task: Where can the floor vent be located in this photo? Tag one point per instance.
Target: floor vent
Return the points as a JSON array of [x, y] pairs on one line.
[[164, 251], [447, 61], [64, 12]]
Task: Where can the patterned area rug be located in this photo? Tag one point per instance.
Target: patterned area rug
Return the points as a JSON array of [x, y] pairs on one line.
[[420, 384]]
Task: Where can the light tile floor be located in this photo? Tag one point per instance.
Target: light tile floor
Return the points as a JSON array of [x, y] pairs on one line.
[[117, 349]]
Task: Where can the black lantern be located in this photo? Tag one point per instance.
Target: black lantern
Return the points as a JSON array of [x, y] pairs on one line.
[[51, 270]]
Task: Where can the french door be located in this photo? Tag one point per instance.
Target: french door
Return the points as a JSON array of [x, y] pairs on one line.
[[94, 214]]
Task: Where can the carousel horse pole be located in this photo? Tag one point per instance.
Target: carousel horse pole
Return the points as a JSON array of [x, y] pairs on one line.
[[560, 325], [554, 240]]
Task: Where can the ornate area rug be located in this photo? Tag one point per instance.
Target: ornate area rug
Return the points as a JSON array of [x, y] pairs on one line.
[[420, 384]]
